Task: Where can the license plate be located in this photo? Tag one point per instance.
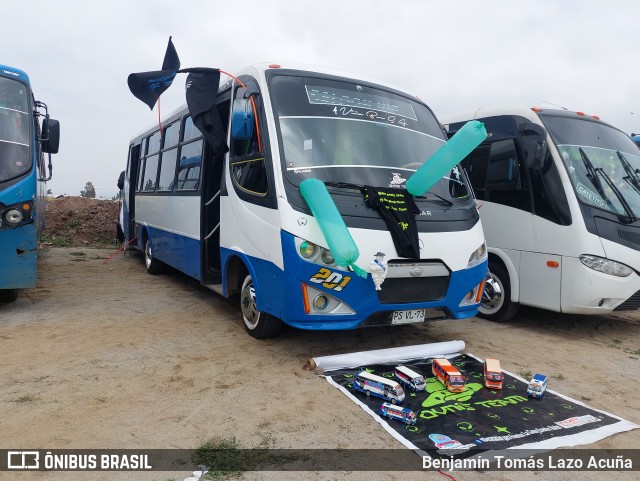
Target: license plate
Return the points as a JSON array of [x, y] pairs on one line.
[[406, 317]]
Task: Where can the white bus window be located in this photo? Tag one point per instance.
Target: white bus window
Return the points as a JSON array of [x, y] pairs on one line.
[[167, 169]]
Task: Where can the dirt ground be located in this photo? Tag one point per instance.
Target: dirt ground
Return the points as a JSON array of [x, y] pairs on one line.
[[107, 356], [80, 221]]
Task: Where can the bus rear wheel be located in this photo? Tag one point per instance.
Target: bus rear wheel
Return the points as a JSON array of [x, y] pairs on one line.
[[496, 302], [258, 324], [8, 295]]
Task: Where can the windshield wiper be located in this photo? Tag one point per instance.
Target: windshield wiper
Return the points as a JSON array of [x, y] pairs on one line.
[[343, 185], [592, 174], [447, 201], [632, 175]]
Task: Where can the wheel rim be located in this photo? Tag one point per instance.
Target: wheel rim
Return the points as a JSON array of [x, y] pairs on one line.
[[492, 296], [147, 254], [250, 311]]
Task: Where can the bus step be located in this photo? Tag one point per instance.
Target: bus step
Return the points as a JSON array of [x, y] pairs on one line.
[[215, 288]]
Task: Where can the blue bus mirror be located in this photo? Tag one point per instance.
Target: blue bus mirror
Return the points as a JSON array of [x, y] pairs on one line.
[[242, 120], [50, 135]]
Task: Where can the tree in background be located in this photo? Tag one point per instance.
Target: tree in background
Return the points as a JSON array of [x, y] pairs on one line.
[[89, 191]]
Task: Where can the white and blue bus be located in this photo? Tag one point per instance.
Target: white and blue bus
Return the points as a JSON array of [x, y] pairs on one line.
[[238, 223], [24, 139], [559, 196]]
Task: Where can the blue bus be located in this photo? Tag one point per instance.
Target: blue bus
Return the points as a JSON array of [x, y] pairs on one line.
[[26, 135], [238, 222]]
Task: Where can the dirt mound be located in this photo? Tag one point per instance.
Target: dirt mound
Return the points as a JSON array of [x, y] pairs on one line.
[[79, 221]]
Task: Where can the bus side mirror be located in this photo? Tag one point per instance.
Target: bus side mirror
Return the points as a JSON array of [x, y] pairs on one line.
[[50, 135], [242, 119], [533, 138]]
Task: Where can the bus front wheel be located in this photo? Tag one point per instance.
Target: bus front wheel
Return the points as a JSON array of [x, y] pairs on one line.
[[496, 302], [153, 265], [8, 295], [258, 324]]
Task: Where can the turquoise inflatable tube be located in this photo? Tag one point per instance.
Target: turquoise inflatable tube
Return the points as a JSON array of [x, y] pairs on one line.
[[344, 249], [447, 157]]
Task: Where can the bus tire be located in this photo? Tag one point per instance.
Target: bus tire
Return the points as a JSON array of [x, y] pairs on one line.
[[8, 295], [367, 392], [153, 265], [498, 307], [258, 324]]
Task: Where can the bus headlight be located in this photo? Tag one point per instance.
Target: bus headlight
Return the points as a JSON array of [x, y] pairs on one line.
[[606, 266], [327, 257], [478, 256], [307, 249], [317, 254], [13, 216]]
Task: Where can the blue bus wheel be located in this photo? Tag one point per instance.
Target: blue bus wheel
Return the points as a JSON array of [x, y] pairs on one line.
[[8, 295], [258, 324], [154, 266]]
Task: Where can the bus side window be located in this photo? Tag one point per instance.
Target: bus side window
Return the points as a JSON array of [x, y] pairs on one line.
[[248, 169]]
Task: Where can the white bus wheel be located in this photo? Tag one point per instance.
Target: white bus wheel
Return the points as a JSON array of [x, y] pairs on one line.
[[496, 302], [258, 324]]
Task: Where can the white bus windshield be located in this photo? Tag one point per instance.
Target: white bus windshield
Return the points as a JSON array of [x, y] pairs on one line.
[[339, 131], [603, 163], [14, 129]]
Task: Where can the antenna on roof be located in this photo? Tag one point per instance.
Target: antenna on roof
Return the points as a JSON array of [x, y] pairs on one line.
[[555, 105]]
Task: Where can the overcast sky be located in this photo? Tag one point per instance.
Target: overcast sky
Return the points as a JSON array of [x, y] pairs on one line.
[[454, 55]]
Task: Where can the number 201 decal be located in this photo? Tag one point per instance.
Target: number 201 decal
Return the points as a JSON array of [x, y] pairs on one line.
[[330, 280]]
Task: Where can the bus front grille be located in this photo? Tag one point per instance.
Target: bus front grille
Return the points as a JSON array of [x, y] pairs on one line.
[[405, 290], [630, 304]]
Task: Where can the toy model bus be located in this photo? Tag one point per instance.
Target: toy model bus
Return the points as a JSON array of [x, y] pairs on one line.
[[409, 378], [492, 374], [399, 413], [448, 375], [370, 384], [537, 386]]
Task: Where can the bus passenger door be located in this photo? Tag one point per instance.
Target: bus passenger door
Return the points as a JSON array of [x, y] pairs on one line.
[[129, 193], [212, 190]]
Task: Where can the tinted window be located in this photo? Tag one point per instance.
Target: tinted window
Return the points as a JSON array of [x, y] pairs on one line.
[[167, 169], [190, 130], [154, 143], [189, 166], [150, 174], [250, 175], [172, 135]]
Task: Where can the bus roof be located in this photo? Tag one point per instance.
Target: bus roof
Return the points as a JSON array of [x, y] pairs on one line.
[[12, 72], [409, 372], [493, 365], [259, 69], [530, 113], [374, 377]]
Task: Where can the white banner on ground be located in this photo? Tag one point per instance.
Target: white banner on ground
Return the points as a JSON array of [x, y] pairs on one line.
[[386, 356]]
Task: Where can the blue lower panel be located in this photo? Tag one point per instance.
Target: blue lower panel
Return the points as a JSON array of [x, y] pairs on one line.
[[280, 292], [178, 251], [18, 257]]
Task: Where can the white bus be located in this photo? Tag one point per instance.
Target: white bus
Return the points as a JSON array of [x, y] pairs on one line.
[[559, 197], [378, 386], [237, 222]]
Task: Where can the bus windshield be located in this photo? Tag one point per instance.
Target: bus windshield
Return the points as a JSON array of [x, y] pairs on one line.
[[339, 131], [603, 163], [14, 129]]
